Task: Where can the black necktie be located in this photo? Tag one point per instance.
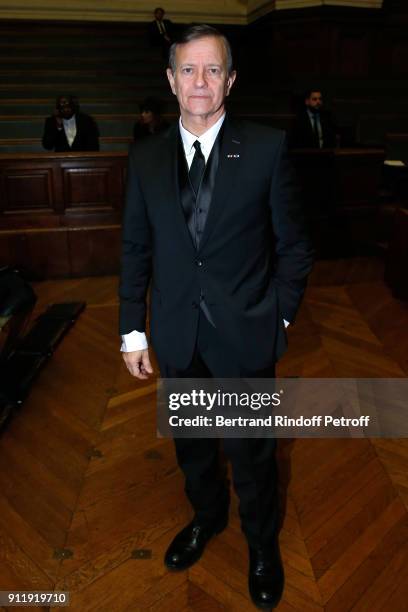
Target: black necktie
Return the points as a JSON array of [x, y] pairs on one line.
[[197, 167]]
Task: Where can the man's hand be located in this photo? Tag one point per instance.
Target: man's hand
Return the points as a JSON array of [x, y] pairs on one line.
[[138, 363], [58, 118]]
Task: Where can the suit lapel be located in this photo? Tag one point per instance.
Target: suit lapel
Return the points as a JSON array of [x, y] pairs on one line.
[[170, 183], [228, 169]]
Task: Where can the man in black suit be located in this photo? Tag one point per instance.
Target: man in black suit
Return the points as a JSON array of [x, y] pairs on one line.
[[212, 220], [314, 127], [68, 129], [161, 31]]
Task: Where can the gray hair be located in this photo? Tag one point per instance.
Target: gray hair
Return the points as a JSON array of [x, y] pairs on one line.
[[197, 32]]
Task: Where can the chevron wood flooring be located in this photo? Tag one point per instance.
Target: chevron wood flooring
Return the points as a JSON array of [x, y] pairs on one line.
[[90, 497]]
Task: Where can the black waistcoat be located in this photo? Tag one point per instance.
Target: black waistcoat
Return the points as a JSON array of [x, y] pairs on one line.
[[196, 208]]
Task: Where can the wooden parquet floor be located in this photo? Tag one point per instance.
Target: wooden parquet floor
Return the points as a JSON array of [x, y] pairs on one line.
[[90, 497]]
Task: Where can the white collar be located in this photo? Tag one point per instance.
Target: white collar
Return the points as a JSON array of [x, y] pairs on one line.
[[206, 140]]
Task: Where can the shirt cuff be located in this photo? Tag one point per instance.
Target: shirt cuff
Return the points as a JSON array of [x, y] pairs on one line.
[[134, 341], [137, 341]]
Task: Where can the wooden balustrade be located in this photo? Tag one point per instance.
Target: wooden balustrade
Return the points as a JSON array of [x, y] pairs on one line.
[[60, 213]]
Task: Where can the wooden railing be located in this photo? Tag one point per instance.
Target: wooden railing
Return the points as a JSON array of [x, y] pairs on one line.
[[60, 213]]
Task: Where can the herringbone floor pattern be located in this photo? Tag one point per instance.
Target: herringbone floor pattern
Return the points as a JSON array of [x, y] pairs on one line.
[[90, 497]]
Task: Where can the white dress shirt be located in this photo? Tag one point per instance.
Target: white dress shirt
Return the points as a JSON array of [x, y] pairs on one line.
[[161, 26], [70, 129], [137, 341], [206, 140]]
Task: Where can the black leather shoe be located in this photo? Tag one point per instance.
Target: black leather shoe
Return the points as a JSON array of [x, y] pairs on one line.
[[266, 578], [189, 544]]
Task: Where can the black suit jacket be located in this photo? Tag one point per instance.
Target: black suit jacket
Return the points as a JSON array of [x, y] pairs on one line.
[[303, 136], [156, 37], [254, 254], [86, 139]]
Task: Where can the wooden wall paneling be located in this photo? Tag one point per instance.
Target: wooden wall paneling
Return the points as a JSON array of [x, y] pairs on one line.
[[353, 53], [281, 56], [117, 186], [347, 112], [396, 275], [374, 127], [13, 249], [28, 188], [316, 173], [305, 56], [86, 186], [299, 56], [40, 253], [2, 196], [275, 55], [86, 192], [95, 251], [380, 53], [300, 48], [399, 55], [84, 238], [358, 176], [334, 36], [47, 253], [123, 175], [327, 51], [59, 188], [340, 192]]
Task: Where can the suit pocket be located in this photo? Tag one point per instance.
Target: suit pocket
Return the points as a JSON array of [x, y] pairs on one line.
[[258, 295]]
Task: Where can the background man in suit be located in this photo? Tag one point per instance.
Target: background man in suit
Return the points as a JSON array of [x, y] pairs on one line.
[[314, 127], [161, 31], [68, 129], [221, 238]]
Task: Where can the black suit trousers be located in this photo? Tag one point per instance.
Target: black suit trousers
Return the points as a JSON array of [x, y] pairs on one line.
[[253, 460]]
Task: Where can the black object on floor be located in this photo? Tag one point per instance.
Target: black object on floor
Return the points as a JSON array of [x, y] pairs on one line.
[[50, 327], [17, 300], [21, 366]]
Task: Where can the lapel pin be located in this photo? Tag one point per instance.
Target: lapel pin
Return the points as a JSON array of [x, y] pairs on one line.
[[232, 155]]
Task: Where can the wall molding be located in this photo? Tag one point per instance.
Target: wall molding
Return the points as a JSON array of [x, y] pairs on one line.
[[297, 4], [235, 12]]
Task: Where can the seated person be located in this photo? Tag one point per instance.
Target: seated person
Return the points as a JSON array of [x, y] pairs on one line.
[[68, 129], [150, 121], [314, 127]]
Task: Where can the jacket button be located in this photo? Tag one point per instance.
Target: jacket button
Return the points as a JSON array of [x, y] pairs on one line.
[[199, 262]]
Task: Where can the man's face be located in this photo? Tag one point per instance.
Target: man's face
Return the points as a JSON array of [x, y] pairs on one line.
[[65, 107], [159, 14], [315, 101], [201, 82]]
